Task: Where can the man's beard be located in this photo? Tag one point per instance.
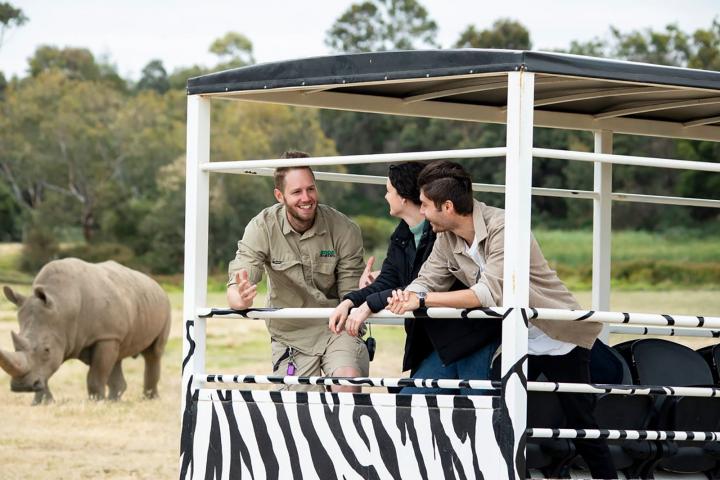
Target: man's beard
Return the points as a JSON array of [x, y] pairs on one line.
[[295, 213]]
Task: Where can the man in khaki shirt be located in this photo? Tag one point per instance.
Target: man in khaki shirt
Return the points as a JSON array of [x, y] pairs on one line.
[[313, 256], [470, 246]]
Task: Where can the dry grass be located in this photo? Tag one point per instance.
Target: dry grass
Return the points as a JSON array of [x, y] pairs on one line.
[[135, 439]]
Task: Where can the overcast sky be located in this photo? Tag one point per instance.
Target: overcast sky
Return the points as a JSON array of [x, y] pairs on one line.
[[130, 33]]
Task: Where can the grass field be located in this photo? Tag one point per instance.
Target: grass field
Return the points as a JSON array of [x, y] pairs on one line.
[[75, 438]]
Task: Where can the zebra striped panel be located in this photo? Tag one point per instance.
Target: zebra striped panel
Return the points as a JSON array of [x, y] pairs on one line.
[[313, 435]]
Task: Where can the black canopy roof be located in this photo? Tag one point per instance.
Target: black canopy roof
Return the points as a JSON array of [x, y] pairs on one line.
[[595, 88]]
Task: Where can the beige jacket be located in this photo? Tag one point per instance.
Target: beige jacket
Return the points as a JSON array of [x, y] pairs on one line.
[[314, 269], [449, 261]]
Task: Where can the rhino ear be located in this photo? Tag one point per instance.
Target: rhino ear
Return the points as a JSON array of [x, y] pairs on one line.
[[40, 293], [13, 296]]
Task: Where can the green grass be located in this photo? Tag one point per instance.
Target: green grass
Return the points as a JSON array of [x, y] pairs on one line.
[[640, 260], [574, 247]]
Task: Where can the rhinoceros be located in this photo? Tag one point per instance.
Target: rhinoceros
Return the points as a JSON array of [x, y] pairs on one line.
[[98, 313]]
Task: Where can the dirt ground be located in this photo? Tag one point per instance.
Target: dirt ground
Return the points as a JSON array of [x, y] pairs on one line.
[[75, 438]]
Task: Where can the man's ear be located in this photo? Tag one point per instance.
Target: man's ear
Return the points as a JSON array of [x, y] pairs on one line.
[[278, 196], [449, 206]]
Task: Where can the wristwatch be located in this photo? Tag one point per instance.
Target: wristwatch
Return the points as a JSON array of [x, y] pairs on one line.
[[421, 298]]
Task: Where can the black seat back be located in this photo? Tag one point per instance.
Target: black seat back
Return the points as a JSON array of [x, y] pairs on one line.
[[711, 354], [607, 365], [660, 362]]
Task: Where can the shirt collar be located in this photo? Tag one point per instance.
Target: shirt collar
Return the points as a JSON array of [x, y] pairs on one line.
[[479, 226], [319, 227]]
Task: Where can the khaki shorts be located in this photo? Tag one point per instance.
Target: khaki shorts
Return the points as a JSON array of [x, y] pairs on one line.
[[342, 351]]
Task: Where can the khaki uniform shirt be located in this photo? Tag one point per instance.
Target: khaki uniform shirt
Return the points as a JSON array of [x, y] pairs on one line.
[[449, 260], [313, 269]]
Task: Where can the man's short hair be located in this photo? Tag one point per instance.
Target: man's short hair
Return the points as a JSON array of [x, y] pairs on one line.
[[443, 180], [280, 172], [403, 176]]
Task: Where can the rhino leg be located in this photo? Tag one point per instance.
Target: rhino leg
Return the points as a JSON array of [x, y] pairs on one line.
[[152, 358], [116, 383], [103, 359], [43, 397]]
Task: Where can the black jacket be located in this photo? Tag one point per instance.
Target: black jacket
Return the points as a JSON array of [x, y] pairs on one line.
[[453, 339]]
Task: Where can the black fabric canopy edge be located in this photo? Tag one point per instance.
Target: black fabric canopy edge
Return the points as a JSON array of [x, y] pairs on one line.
[[396, 65]]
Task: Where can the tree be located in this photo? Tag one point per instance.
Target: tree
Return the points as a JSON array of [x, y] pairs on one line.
[[667, 47], [77, 150], [378, 25], [671, 47], [154, 77], [75, 64], [179, 77], [234, 50], [10, 17], [505, 33]]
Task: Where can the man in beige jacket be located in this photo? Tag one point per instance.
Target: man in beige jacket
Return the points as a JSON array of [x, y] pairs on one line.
[[470, 247], [313, 256]]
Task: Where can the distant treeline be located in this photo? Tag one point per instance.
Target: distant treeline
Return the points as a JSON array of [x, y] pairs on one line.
[[92, 164]]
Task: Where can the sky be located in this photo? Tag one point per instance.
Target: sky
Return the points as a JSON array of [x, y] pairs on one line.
[[131, 33]]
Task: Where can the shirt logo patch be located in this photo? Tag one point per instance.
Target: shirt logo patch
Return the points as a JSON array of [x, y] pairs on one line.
[[327, 253]]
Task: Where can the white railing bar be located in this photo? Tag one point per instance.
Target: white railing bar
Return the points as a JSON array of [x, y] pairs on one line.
[[625, 159], [648, 319], [623, 434], [669, 331], [231, 166], [683, 201], [380, 180], [560, 387], [618, 329], [642, 390], [383, 317], [494, 188], [353, 381]]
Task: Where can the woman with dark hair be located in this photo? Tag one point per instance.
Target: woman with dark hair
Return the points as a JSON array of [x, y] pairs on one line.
[[410, 245]]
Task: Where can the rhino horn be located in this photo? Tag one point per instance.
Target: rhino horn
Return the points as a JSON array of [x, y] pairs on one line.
[[19, 342], [14, 363]]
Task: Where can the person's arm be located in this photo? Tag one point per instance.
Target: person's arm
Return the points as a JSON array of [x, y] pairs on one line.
[[250, 257], [434, 275], [402, 301], [350, 259], [489, 286]]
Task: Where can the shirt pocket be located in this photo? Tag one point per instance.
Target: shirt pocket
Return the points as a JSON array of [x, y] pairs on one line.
[[459, 273], [286, 273], [324, 275]]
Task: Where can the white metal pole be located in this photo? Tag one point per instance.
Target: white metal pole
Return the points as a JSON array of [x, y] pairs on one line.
[[196, 232], [516, 276], [602, 228]]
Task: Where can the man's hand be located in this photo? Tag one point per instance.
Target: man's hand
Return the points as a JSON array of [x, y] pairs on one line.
[[339, 316], [241, 293], [368, 276], [357, 319], [403, 301]]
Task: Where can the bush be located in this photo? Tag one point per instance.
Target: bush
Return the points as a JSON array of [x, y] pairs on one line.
[[100, 252], [39, 247], [375, 231]]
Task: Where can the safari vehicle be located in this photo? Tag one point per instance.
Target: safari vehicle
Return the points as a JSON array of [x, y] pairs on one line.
[[231, 432]]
